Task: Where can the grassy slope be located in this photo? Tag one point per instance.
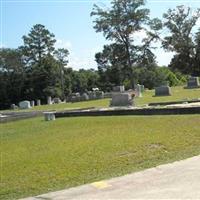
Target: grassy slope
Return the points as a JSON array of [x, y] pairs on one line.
[[39, 156]]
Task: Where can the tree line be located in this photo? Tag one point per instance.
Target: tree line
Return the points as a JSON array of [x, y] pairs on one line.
[[37, 69]]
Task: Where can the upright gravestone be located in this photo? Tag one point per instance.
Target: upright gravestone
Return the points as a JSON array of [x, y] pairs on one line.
[[32, 103], [193, 82], [92, 95], [119, 88], [75, 97], [108, 95], [56, 100], [142, 88], [13, 107], [84, 97], [99, 94], [138, 90], [38, 102], [49, 116], [24, 105], [122, 99], [49, 101], [163, 91]]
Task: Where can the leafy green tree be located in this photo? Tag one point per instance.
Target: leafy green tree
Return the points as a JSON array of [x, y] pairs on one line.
[[121, 22], [12, 76], [38, 44], [180, 23], [196, 63], [42, 69], [45, 79], [92, 77], [61, 56], [111, 64]]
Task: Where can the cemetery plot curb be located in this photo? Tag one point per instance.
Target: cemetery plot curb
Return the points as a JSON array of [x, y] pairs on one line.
[[142, 111]]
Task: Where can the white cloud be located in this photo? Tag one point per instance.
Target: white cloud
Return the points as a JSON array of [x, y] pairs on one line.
[[2, 46], [63, 44], [139, 35], [86, 60], [162, 57], [79, 63], [198, 22]]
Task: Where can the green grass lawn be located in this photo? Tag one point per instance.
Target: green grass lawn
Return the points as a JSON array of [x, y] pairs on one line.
[[178, 93], [39, 156]]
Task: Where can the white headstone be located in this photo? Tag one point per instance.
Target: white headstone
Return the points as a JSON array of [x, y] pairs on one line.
[[49, 101], [32, 103], [138, 90], [57, 100], [24, 105], [49, 116], [38, 102]]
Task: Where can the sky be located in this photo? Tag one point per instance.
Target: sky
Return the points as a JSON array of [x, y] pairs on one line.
[[72, 25]]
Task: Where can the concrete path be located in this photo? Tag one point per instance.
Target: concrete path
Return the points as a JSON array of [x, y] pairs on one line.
[[179, 180]]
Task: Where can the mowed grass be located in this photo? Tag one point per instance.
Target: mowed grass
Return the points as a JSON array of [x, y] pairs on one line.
[[38, 156], [178, 93]]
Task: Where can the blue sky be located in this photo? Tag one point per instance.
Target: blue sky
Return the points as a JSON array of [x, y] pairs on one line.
[[71, 23]]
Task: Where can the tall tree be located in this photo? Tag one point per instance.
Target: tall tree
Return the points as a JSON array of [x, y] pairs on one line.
[[120, 23], [42, 69], [38, 44], [111, 64], [180, 23], [196, 63], [12, 76], [61, 56]]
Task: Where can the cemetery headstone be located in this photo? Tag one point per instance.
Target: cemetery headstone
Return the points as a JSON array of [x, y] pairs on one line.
[[24, 105], [49, 101], [138, 90], [75, 97], [119, 88], [92, 95], [38, 102], [163, 91], [108, 95], [49, 116], [84, 97], [57, 100], [142, 88], [32, 103], [193, 82], [13, 107], [99, 94], [122, 99]]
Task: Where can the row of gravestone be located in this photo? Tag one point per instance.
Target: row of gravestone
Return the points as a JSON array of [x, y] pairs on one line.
[[120, 97], [29, 104], [91, 95], [165, 90], [26, 104]]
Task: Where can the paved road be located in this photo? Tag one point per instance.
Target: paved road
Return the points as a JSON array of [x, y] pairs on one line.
[[179, 180]]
